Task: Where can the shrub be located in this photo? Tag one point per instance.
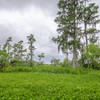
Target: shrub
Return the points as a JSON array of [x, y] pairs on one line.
[[3, 59], [91, 57], [65, 63]]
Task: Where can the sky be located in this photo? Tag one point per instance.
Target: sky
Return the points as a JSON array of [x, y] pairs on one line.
[[20, 18]]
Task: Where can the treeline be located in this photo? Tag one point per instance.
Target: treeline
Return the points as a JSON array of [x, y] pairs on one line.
[[77, 32], [18, 54], [78, 35], [22, 54]]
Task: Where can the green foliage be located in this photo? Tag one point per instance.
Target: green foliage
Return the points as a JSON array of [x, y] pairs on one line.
[[65, 62], [49, 86], [7, 46], [3, 59], [31, 48], [55, 61], [41, 57], [71, 17], [68, 18], [18, 51], [48, 69], [92, 56]]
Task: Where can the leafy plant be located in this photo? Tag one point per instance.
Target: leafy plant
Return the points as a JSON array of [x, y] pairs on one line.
[[92, 57], [3, 58]]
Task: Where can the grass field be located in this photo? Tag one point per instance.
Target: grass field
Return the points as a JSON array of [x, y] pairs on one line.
[[50, 86]]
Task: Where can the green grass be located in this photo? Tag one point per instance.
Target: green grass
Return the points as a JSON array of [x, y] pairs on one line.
[[49, 69], [50, 85]]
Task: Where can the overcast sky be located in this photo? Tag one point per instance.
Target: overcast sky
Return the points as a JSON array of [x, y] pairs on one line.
[[19, 18]]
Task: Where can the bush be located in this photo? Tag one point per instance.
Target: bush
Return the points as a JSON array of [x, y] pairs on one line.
[[3, 59], [65, 63], [91, 57]]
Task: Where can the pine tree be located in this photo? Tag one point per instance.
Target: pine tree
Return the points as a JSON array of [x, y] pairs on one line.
[[90, 20], [7, 46], [31, 41], [21, 50], [68, 19]]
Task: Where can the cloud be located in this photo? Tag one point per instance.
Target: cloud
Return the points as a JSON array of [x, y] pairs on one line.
[[31, 20], [49, 6]]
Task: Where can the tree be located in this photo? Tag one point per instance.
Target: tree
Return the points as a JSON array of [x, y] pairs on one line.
[[41, 56], [90, 20], [31, 41], [3, 58], [15, 51], [27, 58], [18, 51], [65, 63], [21, 50], [68, 20], [7, 48], [62, 44], [55, 61], [92, 56], [7, 45], [71, 17]]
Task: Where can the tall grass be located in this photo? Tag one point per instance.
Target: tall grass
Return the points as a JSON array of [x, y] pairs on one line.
[[48, 69]]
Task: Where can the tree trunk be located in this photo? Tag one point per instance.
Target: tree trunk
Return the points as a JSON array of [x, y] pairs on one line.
[[85, 32], [31, 56], [74, 46], [67, 57], [86, 38], [75, 57]]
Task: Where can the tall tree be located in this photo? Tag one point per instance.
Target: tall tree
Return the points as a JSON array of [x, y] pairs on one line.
[[21, 50], [18, 51], [31, 41], [3, 59], [15, 51], [7, 46], [90, 20], [68, 20]]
